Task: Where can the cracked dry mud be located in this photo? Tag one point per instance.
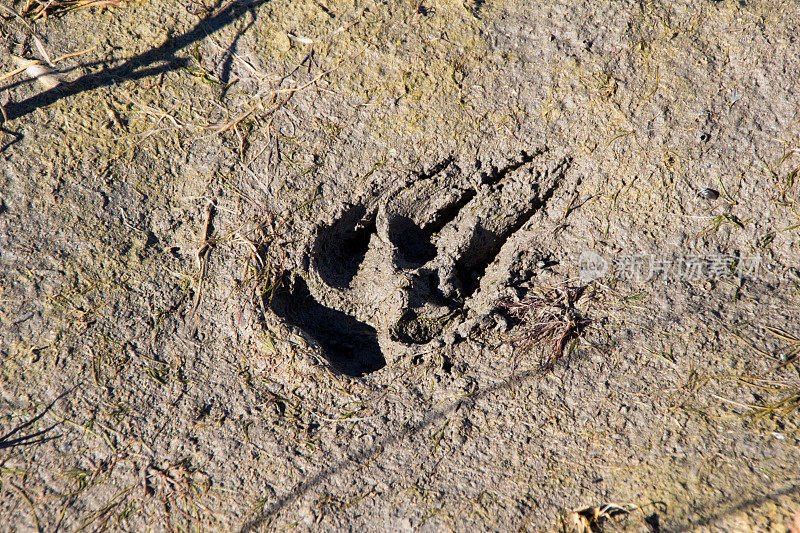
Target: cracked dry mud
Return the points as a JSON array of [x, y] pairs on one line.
[[392, 270]]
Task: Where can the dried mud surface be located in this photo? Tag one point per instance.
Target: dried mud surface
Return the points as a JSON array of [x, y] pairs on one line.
[[257, 262]]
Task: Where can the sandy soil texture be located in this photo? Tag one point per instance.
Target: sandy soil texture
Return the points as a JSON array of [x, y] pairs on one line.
[[400, 265]]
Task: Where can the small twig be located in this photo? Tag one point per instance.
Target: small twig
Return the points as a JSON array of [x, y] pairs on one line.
[[205, 245], [41, 70], [222, 128], [345, 418], [75, 54], [312, 82], [18, 70], [415, 11], [202, 260], [737, 404]]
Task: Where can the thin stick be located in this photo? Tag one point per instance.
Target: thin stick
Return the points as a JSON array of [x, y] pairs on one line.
[[75, 54], [18, 70], [202, 259], [25, 63], [312, 82], [781, 334], [735, 403]]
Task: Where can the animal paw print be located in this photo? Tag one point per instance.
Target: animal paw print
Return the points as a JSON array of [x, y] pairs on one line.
[[394, 269]]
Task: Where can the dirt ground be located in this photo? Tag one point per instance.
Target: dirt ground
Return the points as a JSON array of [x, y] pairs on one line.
[[393, 265]]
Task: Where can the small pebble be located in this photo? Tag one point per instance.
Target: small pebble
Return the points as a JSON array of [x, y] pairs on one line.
[[468, 327], [282, 42], [708, 194], [505, 351], [450, 338], [500, 321]]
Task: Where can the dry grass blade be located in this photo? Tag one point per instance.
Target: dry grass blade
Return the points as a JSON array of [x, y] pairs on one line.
[[41, 71], [549, 322], [783, 406], [36, 70], [203, 251], [788, 355], [252, 250], [44, 8]]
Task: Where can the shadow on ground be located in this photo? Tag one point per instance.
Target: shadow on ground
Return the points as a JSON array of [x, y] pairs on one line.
[[151, 63], [661, 519], [351, 345], [365, 455]]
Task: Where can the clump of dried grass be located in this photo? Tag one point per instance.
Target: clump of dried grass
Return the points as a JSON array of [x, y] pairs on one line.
[[788, 355], [549, 323], [266, 271], [591, 519], [621, 517], [36, 9]]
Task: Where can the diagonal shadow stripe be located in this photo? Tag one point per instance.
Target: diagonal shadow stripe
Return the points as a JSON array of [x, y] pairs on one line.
[[362, 456], [36, 437], [150, 63]]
